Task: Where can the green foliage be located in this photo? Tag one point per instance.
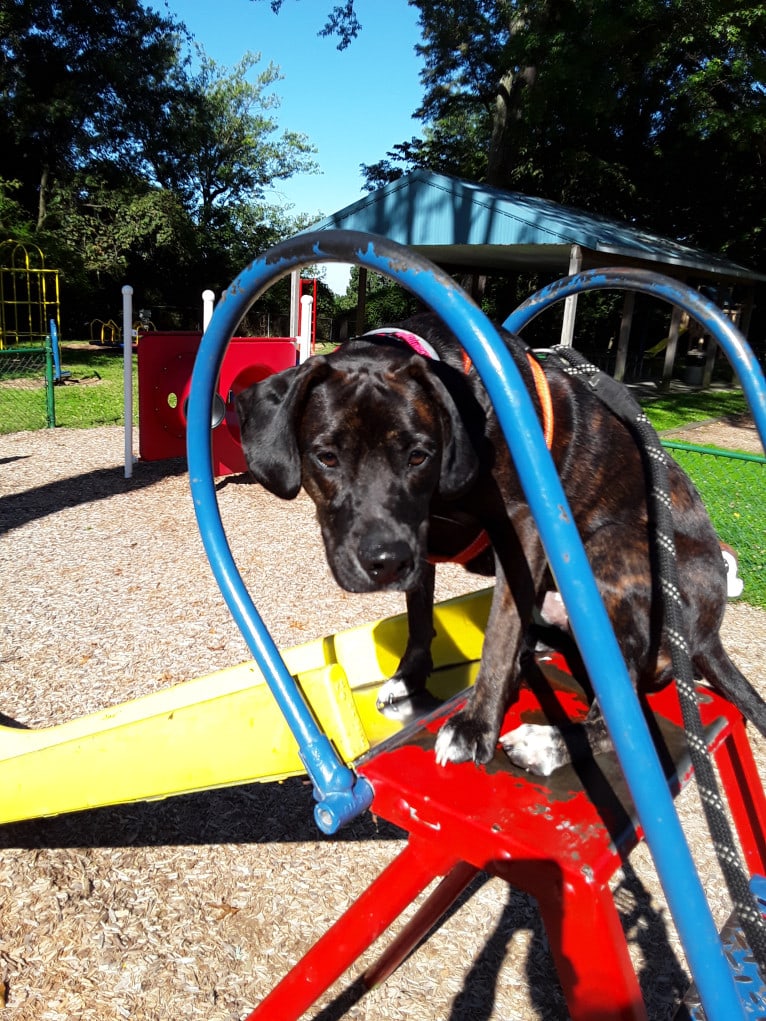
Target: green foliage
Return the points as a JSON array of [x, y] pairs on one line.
[[227, 132], [652, 113], [386, 302], [341, 22]]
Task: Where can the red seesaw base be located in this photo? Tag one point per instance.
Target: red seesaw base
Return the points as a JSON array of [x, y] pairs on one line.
[[560, 839]]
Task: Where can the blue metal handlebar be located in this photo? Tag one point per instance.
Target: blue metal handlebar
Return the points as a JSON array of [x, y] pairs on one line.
[[340, 794], [707, 314]]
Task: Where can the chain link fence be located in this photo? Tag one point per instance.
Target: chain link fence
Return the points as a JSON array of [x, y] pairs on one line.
[[733, 487], [26, 389]]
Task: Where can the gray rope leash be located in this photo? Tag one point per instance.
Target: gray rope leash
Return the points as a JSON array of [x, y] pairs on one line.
[[621, 403]]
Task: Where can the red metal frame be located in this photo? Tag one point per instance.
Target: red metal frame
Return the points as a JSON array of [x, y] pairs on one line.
[[560, 839]]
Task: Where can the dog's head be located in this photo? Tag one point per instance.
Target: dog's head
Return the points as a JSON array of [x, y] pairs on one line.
[[372, 435]]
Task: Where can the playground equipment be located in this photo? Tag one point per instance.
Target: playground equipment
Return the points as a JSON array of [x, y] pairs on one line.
[[29, 295], [165, 363], [313, 710], [342, 793]]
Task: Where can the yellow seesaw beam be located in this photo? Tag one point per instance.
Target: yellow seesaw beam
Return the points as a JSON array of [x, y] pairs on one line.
[[225, 728]]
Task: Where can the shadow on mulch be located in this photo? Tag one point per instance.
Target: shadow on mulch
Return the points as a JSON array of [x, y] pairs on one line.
[[259, 813], [272, 812], [19, 509]]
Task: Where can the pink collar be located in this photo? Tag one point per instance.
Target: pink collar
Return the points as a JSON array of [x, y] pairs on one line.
[[418, 345]]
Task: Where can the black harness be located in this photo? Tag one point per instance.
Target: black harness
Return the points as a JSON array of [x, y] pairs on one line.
[[624, 406]]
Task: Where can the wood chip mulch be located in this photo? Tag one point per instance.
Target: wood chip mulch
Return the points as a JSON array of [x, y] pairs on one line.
[[195, 907]]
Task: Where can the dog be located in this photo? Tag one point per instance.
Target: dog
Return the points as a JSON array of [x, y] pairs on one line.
[[395, 440]]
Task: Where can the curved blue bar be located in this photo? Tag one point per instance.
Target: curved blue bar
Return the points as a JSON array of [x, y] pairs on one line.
[[560, 539], [657, 285]]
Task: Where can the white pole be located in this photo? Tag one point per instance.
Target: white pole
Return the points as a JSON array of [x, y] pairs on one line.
[[208, 302], [570, 303], [295, 288], [304, 337], [127, 374]]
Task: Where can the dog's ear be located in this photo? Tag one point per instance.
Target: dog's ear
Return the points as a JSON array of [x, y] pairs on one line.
[[460, 462], [268, 415]]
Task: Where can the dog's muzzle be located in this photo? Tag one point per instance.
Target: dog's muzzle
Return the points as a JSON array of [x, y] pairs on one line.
[[386, 563]]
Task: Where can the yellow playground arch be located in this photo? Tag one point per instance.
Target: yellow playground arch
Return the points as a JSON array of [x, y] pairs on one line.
[[29, 295]]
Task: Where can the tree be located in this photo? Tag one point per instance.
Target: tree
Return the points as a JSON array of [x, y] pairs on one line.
[[68, 92], [225, 129], [342, 22], [138, 169], [652, 113]]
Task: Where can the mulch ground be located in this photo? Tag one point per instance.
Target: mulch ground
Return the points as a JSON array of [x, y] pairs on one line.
[[195, 907]]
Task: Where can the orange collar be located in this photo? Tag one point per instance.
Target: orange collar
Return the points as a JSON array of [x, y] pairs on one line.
[[544, 396], [543, 393]]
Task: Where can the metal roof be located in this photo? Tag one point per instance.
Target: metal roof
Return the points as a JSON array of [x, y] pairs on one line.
[[471, 226]]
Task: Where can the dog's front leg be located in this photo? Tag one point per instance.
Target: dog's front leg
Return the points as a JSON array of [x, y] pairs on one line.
[[473, 733], [416, 664]]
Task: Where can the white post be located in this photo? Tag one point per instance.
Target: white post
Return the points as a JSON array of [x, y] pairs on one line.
[[295, 288], [304, 337], [208, 303], [570, 303], [127, 374]]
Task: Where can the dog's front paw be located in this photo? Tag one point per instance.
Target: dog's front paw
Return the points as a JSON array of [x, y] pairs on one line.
[[538, 749], [464, 739], [394, 690]]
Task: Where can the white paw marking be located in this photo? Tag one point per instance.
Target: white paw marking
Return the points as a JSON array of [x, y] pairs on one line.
[[734, 584], [533, 747], [394, 690], [444, 748]]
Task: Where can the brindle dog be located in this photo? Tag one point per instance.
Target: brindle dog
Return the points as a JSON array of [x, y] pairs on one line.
[[405, 460]]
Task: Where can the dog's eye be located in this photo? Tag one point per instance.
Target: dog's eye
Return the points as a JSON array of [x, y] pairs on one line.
[[417, 457], [328, 458]]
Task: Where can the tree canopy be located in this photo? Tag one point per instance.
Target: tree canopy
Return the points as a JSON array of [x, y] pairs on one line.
[[652, 112], [153, 169]]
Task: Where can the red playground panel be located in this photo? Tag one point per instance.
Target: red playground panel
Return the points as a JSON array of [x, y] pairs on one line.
[[165, 364]]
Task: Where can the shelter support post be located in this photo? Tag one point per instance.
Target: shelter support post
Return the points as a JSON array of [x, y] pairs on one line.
[[670, 350], [626, 324]]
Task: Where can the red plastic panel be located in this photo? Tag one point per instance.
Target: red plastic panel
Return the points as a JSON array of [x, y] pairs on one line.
[[165, 364]]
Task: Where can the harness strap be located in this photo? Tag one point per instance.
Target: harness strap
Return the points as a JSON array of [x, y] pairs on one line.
[[621, 403]]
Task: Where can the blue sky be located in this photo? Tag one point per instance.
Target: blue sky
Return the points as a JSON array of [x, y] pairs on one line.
[[353, 105]]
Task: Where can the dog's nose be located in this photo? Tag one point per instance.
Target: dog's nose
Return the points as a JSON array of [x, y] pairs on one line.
[[386, 562]]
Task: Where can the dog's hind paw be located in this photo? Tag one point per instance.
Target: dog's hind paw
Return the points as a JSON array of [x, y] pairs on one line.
[[538, 749]]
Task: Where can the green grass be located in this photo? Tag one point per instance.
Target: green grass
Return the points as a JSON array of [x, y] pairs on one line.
[[92, 394], [677, 410], [734, 493]]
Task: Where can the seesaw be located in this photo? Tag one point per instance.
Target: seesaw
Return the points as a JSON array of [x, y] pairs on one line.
[[561, 841], [225, 728]]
